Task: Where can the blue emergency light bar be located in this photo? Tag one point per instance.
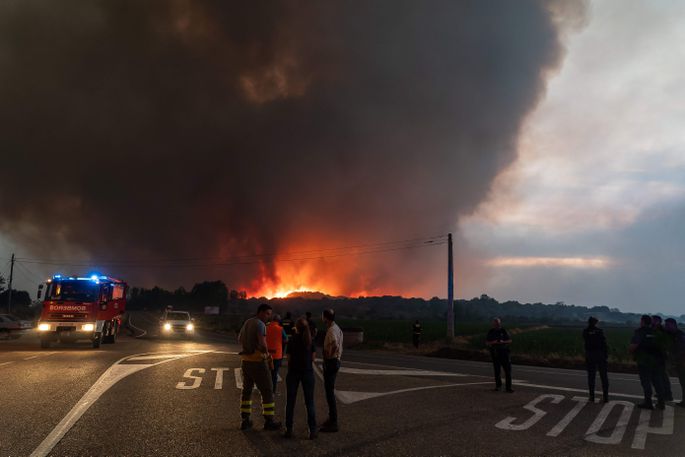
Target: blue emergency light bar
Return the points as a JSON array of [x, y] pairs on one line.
[[95, 278]]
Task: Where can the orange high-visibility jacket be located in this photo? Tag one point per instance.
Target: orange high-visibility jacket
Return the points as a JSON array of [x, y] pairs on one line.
[[274, 340]]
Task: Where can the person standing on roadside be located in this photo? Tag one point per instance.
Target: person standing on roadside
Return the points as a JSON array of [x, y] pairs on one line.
[[664, 342], [498, 340], [301, 355], [276, 340], [254, 364], [416, 333], [596, 355], [677, 353], [649, 359], [332, 351]]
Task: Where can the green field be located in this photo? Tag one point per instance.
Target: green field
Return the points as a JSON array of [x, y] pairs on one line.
[[528, 340], [400, 331]]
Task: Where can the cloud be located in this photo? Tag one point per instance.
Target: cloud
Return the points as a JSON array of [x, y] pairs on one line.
[[135, 130], [601, 170]]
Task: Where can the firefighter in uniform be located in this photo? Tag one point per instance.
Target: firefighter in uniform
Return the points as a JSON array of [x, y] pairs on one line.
[[255, 365], [416, 333], [498, 340], [596, 355]]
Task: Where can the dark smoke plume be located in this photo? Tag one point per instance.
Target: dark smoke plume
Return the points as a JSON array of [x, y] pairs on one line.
[[167, 129]]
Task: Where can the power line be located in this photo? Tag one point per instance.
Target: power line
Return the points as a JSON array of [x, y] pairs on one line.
[[360, 249]]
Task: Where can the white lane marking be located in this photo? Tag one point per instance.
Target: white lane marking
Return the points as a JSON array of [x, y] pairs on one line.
[[114, 374], [398, 372], [226, 352], [619, 430], [643, 427], [348, 396], [43, 354], [571, 389], [153, 357], [196, 380], [219, 381], [6, 363], [130, 323], [508, 422], [563, 423]]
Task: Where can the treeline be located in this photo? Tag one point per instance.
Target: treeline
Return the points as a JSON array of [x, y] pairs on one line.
[[234, 302]]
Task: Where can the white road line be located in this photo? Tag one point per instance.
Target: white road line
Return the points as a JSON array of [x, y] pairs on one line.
[[398, 372], [153, 357], [349, 396], [571, 389], [130, 323], [114, 374], [6, 363], [44, 354]]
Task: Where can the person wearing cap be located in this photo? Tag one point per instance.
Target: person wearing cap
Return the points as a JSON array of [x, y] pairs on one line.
[[276, 340], [332, 351], [596, 356]]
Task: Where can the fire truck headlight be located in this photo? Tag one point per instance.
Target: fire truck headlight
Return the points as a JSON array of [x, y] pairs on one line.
[[190, 327], [88, 327], [43, 327], [167, 326]]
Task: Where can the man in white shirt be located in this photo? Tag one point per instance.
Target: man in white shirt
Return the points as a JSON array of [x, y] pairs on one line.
[[332, 351]]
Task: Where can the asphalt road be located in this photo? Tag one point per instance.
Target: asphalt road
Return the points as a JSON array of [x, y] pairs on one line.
[[155, 396]]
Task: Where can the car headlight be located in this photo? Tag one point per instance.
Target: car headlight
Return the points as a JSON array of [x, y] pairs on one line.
[[43, 327], [167, 326], [88, 327], [189, 327]]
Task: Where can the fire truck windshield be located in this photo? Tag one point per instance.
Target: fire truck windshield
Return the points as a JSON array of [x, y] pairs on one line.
[[73, 290]]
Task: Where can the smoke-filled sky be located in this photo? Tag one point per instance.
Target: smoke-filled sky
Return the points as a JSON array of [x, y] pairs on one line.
[[136, 132]]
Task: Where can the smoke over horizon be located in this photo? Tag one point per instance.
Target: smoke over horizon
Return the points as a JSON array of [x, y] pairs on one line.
[[184, 129]]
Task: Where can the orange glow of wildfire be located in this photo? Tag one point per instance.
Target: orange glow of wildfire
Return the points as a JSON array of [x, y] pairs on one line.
[[304, 277]]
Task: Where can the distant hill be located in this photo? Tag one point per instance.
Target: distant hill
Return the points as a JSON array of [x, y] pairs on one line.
[[215, 293]]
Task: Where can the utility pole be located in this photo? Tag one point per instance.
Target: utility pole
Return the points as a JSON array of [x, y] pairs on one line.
[[450, 290], [9, 290]]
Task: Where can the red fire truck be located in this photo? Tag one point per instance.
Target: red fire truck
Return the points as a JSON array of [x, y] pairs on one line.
[[81, 308]]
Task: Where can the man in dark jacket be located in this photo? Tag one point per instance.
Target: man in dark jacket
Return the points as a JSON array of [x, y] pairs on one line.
[[677, 353], [649, 358], [596, 355], [498, 340]]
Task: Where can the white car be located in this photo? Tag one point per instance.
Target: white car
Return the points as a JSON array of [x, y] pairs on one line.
[[13, 327], [177, 323]]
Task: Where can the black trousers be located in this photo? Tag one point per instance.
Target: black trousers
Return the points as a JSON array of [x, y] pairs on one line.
[[594, 363], [650, 374], [501, 360], [292, 381], [330, 372]]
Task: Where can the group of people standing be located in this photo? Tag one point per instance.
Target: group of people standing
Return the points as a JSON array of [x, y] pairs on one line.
[[655, 347], [263, 350]]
